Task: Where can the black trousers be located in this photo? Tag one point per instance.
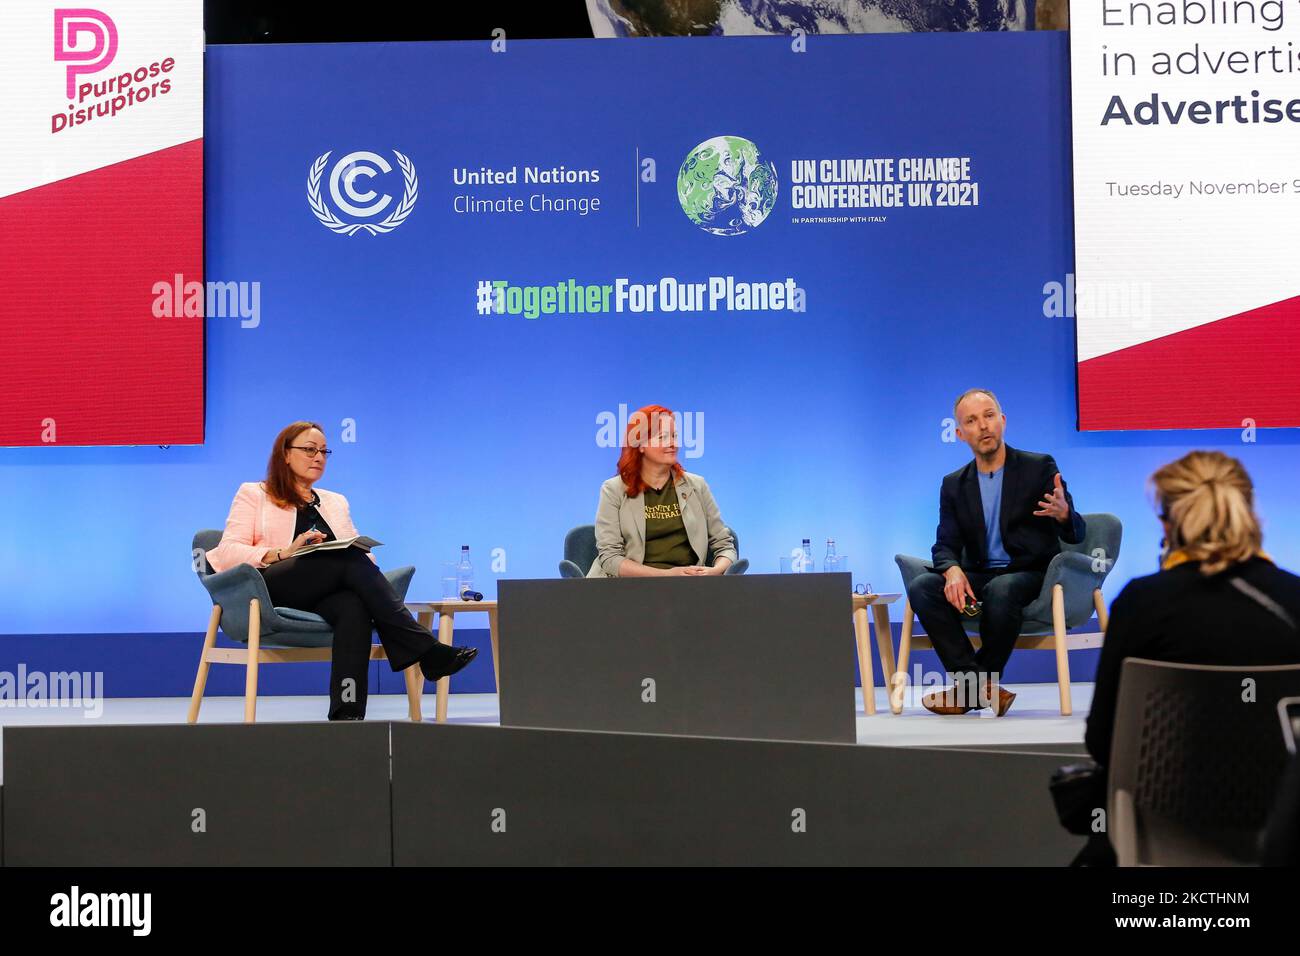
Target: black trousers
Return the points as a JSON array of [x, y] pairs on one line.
[[348, 590], [1005, 595]]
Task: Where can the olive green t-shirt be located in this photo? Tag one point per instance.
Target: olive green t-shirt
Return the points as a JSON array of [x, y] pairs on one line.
[[666, 543]]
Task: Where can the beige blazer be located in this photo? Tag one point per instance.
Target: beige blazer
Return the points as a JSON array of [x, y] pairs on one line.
[[620, 525]]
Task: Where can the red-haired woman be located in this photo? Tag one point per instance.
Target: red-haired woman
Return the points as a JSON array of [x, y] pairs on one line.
[[271, 520], [654, 517]]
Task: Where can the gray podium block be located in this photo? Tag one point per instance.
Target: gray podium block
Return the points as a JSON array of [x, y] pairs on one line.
[[270, 794], [465, 795], [765, 656]]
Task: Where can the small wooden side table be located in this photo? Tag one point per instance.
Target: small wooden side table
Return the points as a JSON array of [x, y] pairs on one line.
[[879, 604], [447, 611]]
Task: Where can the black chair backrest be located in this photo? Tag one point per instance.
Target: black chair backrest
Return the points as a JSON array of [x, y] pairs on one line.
[[1199, 747]]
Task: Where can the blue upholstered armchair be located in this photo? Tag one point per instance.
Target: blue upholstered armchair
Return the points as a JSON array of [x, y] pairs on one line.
[[1071, 592], [242, 608], [580, 553]]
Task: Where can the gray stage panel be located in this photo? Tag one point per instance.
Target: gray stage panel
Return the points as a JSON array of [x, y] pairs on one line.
[[575, 798], [270, 794], [758, 656]]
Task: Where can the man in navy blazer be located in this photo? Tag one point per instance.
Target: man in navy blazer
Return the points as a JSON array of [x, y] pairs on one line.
[[1001, 520]]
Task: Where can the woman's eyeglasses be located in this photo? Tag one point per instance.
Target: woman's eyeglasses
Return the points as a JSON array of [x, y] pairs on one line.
[[312, 451]]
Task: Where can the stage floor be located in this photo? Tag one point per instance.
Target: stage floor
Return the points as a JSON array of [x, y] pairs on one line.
[[1034, 722]]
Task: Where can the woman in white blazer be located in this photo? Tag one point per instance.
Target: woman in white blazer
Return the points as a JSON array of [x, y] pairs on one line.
[[655, 518], [271, 520]]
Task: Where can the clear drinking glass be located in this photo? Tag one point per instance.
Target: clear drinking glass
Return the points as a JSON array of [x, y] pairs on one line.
[[449, 591]]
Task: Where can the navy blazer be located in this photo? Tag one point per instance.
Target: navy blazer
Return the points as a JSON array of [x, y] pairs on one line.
[[1031, 542]]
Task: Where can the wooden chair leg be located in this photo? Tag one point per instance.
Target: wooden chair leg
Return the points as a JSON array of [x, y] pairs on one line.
[[414, 688], [899, 680], [868, 675], [201, 678], [254, 645], [1099, 603], [1062, 653], [446, 622]]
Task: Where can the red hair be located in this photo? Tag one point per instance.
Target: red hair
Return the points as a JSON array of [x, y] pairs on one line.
[[281, 487], [640, 426]]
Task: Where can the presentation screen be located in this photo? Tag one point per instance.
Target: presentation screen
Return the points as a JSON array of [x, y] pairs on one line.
[[102, 295], [1186, 122]]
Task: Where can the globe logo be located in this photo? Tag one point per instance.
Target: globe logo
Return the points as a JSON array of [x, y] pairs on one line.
[[725, 187]]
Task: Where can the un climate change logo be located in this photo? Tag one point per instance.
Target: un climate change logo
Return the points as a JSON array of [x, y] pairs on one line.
[[725, 187], [360, 205]]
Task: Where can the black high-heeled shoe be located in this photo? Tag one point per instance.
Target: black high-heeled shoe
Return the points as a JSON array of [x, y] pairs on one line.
[[433, 671]]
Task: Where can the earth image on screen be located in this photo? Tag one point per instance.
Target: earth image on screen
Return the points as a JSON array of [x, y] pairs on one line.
[[725, 187], [631, 18]]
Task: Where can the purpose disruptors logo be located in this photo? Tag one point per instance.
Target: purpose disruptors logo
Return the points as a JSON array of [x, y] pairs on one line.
[[359, 201], [725, 186], [87, 41], [70, 25]]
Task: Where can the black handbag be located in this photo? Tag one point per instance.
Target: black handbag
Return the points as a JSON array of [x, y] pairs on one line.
[[1078, 789]]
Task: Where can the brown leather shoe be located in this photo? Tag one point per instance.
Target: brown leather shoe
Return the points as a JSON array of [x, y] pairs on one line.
[[944, 702], [1005, 697]]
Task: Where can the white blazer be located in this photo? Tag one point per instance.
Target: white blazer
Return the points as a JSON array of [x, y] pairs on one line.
[[620, 525]]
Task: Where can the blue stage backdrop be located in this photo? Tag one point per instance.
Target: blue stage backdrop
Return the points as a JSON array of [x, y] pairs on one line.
[[714, 172]]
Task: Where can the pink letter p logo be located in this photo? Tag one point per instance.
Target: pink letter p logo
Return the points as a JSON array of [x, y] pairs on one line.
[[69, 24]]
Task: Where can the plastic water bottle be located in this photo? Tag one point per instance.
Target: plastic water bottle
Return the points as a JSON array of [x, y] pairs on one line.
[[832, 562], [805, 563], [465, 576]]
